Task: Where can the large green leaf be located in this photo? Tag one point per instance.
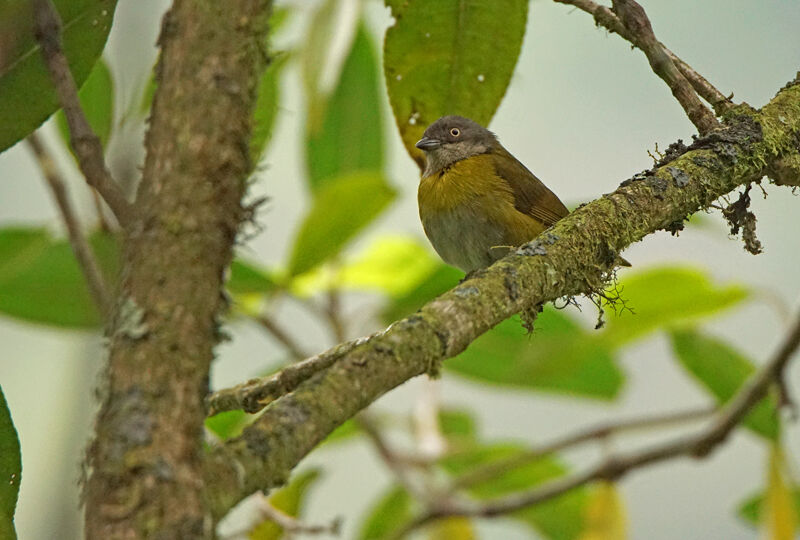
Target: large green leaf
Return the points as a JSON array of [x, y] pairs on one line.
[[390, 513], [441, 279], [665, 296], [40, 281], [559, 357], [266, 108], [328, 40], [450, 57], [350, 136], [27, 96], [10, 470], [722, 371], [558, 519], [249, 278], [229, 424], [340, 210], [288, 500], [97, 100]]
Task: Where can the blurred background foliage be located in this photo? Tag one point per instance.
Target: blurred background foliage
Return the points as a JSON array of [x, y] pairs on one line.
[[433, 62]]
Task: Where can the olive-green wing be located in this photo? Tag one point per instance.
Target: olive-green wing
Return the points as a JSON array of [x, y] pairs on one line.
[[531, 196]]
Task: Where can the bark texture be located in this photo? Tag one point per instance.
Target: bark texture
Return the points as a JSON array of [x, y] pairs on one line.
[[572, 257], [145, 464]]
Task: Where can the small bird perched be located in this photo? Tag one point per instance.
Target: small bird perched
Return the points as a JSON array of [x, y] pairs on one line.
[[476, 200]]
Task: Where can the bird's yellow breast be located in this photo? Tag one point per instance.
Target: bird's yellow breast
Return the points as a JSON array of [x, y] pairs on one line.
[[461, 184]]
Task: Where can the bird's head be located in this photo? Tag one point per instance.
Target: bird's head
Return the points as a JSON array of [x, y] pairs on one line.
[[451, 139]]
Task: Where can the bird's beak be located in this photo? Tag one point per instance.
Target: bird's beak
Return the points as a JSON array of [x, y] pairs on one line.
[[426, 143]]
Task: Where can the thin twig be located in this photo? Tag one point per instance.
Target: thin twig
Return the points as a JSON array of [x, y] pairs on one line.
[[667, 65], [84, 142], [697, 445], [718, 101], [333, 311], [292, 347], [255, 394], [291, 524], [603, 432], [101, 216], [80, 246], [393, 460]]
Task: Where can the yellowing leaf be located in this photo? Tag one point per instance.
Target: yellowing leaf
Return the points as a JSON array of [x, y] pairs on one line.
[[778, 518], [456, 528], [392, 264], [605, 515]]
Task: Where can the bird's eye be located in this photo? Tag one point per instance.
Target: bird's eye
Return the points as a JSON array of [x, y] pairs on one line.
[[455, 132]]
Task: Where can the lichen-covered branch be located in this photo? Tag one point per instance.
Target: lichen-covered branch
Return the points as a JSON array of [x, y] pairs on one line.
[[145, 463], [573, 257]]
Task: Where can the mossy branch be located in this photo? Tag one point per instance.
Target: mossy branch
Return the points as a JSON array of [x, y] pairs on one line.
[[145, 463], [574, 257]]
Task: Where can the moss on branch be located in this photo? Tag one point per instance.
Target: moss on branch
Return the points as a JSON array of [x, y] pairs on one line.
[[575, 256]]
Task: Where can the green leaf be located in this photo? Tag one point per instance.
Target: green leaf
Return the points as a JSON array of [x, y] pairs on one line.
[[148, 94], [229, 424], [559, 357], [391, 264], [340, 210], [722, 371], [750, 509], [10, 470], [666, 296], [266, 108], [97, 100], [330, 34], [450, 57], [457, 424], [343, 433], [349, 137], [27, 96], [440, 280], [558, 519], [249, 278], [289, 500], [40, 281], [391, 512]]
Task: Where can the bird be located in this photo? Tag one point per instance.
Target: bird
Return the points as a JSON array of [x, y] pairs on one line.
[[476, 200]]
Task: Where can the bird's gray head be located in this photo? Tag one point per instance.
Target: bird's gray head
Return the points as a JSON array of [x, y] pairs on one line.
[[451, 139]]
